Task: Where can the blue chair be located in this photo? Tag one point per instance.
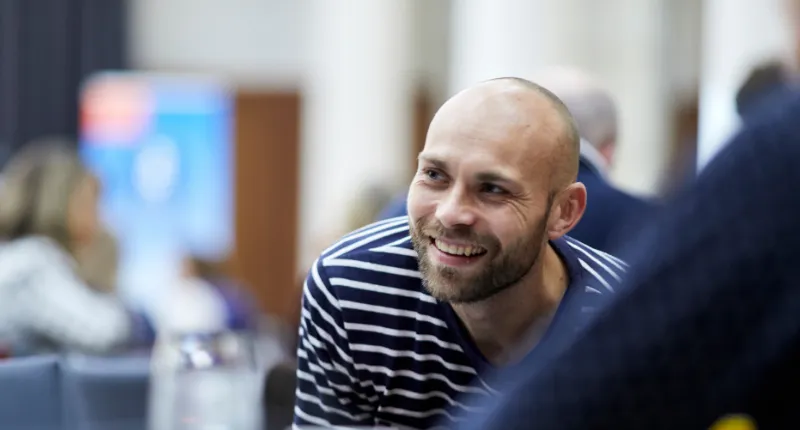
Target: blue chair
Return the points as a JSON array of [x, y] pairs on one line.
[[105, 392], [30, 394]]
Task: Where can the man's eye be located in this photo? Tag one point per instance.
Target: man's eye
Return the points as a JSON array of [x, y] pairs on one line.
[[432, 174], [492, 189]]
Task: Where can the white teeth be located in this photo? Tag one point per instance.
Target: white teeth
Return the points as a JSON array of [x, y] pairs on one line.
[[458, 250]]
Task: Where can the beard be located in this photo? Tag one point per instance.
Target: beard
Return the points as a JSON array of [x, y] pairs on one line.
[[505, 268]]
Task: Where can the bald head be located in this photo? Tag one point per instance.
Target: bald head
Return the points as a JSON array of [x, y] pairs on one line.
[[496, 179], [517, 114], [571, 132], [591, 105]]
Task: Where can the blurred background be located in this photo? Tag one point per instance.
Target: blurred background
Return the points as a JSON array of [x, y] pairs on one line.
[[249, 134], [200, 154]]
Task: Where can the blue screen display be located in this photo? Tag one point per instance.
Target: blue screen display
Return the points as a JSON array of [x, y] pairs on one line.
[[163, 152]]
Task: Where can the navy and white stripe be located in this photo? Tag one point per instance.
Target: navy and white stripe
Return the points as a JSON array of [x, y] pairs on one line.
[[376, 349]]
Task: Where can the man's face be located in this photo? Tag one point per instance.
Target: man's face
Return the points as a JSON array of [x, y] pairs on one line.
[[479, 203]]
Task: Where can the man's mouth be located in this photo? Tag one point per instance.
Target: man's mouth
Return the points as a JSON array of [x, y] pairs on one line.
[[458, 249]]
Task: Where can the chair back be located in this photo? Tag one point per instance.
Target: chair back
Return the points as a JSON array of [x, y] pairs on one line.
[[105, 392], [30, 395]]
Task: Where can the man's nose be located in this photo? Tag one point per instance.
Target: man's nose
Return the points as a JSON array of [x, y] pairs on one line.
[[455, 210]]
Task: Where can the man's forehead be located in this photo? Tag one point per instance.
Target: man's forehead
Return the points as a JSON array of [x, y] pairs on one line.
[[497, 99], [505, 123], [496, 112], [496, 134]]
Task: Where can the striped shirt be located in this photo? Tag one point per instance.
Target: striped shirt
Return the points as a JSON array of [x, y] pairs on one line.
[[376, 349]]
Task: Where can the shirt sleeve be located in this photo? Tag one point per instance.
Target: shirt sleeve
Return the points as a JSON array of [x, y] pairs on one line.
[[329, 392], [55, 304]]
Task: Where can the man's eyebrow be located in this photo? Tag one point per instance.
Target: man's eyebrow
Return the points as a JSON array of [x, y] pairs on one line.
[[487, 176], [439, 164], [494, 177]]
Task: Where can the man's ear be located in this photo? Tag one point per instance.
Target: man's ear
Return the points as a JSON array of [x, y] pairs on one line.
[[567, 210]]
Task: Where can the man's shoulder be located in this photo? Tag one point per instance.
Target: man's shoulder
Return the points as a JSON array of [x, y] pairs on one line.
[[374, 243], [378, 255], [600, 271]]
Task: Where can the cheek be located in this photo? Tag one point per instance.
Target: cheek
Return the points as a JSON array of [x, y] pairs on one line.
[[419, 203], [509, 229], [507, 235]]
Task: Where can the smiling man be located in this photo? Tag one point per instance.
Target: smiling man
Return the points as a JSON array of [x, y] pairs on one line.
[[401, 318]]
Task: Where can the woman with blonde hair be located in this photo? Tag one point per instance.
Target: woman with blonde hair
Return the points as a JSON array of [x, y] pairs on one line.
[[99, 262], [48, 217]]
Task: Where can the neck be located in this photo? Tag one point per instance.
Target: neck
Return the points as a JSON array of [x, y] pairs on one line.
[[506, 326]]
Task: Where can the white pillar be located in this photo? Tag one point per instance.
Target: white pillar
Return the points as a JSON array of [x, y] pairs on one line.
[[357, 110], [497, 38], [737, 35], [630, 55]]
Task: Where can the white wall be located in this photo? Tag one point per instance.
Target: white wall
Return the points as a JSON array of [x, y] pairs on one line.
[[644, 50], [255, 42], [431, 43], [628, 41], [259, 43], [684, 24], [737, 35]]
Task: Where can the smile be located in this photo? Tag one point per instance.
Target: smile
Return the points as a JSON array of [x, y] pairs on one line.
[[458, 249]]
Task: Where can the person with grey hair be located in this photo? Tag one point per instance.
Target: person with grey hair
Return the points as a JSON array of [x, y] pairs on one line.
[[48, 219], [609, 210]]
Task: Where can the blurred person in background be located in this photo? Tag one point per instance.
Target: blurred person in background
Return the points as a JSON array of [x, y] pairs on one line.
[[191, 304], [99, 261], [401, 318], [210, 298], [609, 211], [241, 311], [48, 217], [763, 90]]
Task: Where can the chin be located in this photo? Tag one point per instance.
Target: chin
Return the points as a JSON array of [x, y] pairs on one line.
[[442, 291], [451, 292], [443, 295], [464, 292]]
